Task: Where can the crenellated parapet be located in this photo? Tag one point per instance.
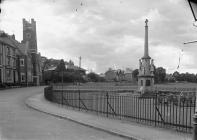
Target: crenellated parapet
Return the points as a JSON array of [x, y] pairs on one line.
[[29, 34]]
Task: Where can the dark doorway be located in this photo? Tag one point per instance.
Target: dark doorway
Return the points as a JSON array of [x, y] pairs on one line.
[[141, 82], [0, 76], [147, 82]]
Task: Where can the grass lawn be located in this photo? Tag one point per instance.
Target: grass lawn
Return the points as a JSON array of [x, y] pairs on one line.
[[178, 85]]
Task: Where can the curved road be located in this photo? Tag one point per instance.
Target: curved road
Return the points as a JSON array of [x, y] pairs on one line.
[[19, 122]]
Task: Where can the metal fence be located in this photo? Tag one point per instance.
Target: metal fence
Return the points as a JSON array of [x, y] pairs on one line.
[[105, 87], [173, 112]]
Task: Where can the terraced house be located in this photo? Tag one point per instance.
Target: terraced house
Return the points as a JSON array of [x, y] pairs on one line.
[[8, 71], [23, 63]]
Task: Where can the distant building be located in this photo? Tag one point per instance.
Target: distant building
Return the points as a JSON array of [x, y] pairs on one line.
[[119, 75], [110, 75], [128, 75], [70, 67], [102, 75], [49, 63]]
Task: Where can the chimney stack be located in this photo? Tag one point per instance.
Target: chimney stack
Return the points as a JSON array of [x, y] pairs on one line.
[[13, 36]]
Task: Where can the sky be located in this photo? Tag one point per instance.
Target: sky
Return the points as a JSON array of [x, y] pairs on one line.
[[108, 33]]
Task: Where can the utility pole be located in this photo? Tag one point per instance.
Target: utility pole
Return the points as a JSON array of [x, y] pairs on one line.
[[80, 62]]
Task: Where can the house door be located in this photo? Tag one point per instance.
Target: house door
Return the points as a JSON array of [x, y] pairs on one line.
[[14, 74]]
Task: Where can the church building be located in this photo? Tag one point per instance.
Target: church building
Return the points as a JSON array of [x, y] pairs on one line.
[[30, 38]]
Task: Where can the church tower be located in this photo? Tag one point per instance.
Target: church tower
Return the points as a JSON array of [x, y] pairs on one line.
[[146, 68], [29, 34], [30, 38]]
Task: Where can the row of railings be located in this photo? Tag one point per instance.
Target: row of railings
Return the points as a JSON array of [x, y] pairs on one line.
[[94, 87], [174, 89], [160, 110]]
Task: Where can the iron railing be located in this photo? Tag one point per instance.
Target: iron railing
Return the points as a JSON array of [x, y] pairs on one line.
[[159, 110]]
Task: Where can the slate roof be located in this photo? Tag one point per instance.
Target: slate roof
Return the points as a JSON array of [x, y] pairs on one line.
[[7, 40]]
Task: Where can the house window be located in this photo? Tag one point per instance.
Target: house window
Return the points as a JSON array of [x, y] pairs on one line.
[[11, 51], [22, 77], [14, 62], [141, 82], [147, 82], [8, 51], [14, 52], [1, 57], [8, 61], [0, 75], [1, 50], [21, 62], [9, 74]]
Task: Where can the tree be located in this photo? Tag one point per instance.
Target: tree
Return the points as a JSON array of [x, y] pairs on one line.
[[45, 64], [61, 74], [185, 77], [135, 74], [61, 67], [160, 74], [176, 75], [60, 70], [93, 77], [120, 75]]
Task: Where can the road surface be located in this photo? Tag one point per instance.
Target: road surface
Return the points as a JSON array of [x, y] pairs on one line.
[[19, 122]]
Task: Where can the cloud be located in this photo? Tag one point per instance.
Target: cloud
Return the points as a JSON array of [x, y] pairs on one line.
[[106, 33]]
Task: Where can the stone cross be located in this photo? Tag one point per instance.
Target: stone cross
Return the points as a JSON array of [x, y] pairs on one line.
[[146, 21]]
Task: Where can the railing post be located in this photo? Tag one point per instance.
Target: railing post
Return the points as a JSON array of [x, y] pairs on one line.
[[79, 99], [156, 108], [62, 97], [195, 122], [62, 81], [53, 99], [107, 95]]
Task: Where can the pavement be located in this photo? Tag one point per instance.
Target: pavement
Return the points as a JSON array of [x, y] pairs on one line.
[[20, 122], [125, 129]]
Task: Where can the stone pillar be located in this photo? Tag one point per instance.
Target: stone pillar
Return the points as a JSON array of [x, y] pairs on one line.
[[146, 40]]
